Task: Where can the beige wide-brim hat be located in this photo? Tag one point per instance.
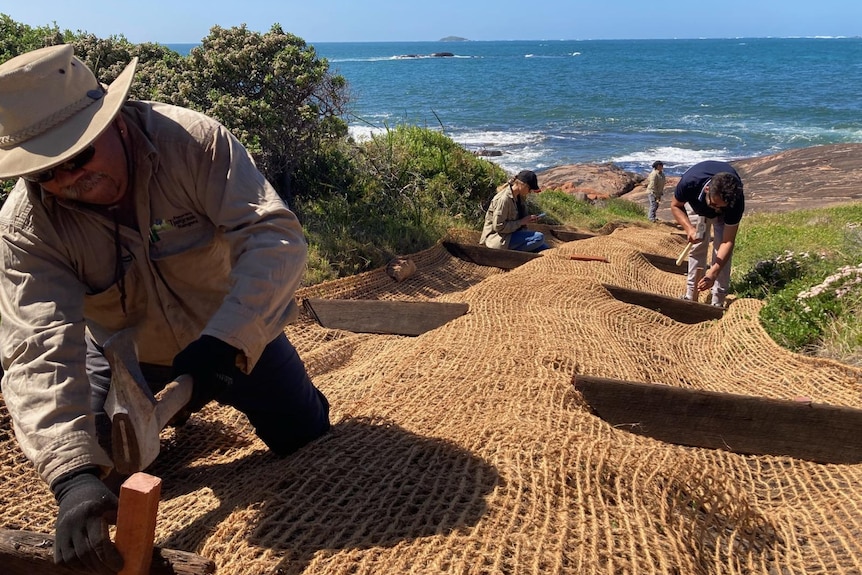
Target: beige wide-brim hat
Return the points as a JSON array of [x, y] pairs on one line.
[[52, 107]]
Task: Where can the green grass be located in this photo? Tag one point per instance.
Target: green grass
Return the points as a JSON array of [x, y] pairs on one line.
[[563, 208], [351, 236], [827, 231]]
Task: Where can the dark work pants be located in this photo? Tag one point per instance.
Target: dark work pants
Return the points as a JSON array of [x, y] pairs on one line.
[[278, 398]]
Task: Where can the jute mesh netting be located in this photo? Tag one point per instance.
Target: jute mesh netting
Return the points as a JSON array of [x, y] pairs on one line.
[[467, 450]]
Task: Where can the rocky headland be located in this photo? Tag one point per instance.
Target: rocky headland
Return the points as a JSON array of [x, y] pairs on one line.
[[815, 177]]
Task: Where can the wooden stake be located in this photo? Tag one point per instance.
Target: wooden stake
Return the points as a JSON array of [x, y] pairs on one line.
[[698, 275], [136, 522]]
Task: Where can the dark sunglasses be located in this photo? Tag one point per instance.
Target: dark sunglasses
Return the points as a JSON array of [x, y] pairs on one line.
[[75, 163]]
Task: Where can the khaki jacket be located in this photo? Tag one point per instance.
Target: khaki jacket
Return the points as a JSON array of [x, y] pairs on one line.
[[655, 183], [501, 219], [216, 252]]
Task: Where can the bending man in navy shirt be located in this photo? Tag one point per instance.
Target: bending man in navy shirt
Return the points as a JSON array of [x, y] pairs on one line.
[[711, 193]]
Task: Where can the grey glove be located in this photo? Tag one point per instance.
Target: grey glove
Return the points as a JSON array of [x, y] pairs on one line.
[[82, 541]]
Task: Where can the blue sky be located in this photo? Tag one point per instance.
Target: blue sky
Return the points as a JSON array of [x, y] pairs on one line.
[[169, 21]]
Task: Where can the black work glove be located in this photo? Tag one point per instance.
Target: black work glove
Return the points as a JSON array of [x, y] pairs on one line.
[[212, 365], [82, 541]]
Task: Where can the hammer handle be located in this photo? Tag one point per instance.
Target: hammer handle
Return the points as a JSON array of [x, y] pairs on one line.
[[173, 398], [684, 254]]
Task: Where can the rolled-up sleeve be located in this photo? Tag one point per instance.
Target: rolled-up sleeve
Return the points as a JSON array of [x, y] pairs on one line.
[[268, 248]]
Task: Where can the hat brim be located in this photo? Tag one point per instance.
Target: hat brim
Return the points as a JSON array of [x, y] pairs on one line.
[[69, 138]]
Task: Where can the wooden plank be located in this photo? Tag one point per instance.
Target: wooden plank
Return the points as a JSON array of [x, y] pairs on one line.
[[566, 235], [31, 553], [665, 264], [485, 256], [389, 317], [738, 423], [136, 522], [683, 311]]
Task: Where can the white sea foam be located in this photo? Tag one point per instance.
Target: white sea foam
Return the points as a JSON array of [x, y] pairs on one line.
[[672, 156], [337, 60], [519, 150], [527, 157], [402, 57], [551, 56], [497, 139], [363, 133]]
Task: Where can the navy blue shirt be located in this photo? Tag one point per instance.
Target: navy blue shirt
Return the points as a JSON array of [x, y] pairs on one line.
[[690, 190]]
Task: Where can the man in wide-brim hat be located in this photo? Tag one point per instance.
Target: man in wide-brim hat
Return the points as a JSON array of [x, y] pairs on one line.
[[138, 215]]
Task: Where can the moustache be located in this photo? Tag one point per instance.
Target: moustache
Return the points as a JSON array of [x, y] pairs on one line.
[[81, 186]]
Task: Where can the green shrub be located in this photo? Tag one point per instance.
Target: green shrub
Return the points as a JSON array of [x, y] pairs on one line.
[[812, 297], [415, 171], [395, 194], [801, 316], [798, 325], [772, 274]]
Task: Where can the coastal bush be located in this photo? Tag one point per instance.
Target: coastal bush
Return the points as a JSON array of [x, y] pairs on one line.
[[348, 237], [416, 171], [813, 296], [394, 194], [271, 90], [797, 324], [772, 274], [17, 38]]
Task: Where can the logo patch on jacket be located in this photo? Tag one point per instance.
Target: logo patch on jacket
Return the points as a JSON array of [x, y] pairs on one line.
[[177, 222]]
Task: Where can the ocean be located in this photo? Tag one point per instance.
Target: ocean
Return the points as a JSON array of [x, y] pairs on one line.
[[629, 102]]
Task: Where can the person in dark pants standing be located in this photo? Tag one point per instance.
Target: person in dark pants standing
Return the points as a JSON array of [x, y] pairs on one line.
[[655, 188], [709, 193], [142, 216]]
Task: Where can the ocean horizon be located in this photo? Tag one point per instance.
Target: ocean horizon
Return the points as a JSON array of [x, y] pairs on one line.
[[541, 104]]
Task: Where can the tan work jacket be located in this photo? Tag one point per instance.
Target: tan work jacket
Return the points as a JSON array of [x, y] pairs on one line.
[[501, 220], [216, 252], [655, 183]]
